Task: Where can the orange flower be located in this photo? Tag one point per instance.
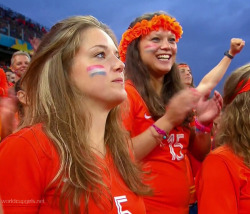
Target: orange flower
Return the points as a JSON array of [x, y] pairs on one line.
[[145, 27]]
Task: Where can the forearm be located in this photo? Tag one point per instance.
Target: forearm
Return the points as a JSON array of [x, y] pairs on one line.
[[144, 143], [215, 75], [211, 79], [200, 145]]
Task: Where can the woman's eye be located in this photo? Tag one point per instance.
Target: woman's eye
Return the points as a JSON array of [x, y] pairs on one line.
[[172, 40], [155, 39], [100, 55]]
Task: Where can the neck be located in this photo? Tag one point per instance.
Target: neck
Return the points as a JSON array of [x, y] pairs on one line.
[[97, 131], [157, 84]]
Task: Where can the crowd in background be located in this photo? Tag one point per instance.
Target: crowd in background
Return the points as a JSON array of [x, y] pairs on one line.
[[18, 26]]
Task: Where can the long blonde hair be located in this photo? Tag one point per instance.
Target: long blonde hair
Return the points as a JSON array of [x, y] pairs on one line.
[[56, 103], [234, 124]]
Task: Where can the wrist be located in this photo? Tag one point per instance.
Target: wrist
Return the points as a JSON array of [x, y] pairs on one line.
[[159, 134], [165, 123], [203, 128], [229, 55]]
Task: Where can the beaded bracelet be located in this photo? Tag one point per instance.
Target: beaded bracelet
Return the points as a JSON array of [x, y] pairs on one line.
[[202, 128], [160, 131]]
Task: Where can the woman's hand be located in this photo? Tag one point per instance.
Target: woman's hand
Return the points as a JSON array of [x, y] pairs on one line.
[[236, 46], [208, 109], [180, 105]]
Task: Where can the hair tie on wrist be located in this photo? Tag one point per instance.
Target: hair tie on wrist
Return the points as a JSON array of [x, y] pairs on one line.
[[228, 55], [202, 128]]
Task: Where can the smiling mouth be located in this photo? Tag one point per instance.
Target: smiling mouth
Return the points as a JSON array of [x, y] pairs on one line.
[[163, 57]]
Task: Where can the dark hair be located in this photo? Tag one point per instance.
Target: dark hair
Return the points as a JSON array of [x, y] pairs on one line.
[[138, 73], [183, 63]]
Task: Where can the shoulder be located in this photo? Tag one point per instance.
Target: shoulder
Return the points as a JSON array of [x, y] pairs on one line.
[[31, 139], [219, 154], [224, 153], [223, 158], [131, 90]]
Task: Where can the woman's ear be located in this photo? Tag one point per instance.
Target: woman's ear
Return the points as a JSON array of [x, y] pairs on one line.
[[21, 95]]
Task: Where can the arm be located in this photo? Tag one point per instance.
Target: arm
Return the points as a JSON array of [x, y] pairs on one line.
[[35, 42], [7, 116], [211, 79], [200, 144], [206, 111], [215, 188], [178, 108]]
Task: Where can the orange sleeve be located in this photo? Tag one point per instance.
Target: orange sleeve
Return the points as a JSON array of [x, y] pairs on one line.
[[20, 176], [135, 112], [215, 188], [128, 108]]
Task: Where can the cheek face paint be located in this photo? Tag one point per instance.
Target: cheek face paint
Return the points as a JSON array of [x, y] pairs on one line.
[[151, 48], [94, 70]]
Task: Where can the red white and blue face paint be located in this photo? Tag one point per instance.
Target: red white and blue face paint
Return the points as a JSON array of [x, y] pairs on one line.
[[94, 70], [151, 48]]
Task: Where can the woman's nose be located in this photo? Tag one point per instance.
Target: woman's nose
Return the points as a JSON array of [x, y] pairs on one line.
[[119, 67], [165, 45]]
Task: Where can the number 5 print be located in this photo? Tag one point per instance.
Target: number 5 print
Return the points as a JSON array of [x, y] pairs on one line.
[[118, 201]]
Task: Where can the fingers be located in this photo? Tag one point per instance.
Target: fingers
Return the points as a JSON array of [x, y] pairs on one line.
[[180, 104], [218, 100], [236, 46]]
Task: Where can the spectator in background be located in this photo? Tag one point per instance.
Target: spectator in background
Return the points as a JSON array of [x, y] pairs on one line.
[[11, 77], [223, 183], [186, 74], [19, 63]]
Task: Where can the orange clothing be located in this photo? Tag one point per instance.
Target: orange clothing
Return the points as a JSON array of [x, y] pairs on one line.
[[191, 177], [28, 163], [223, 184], [169, 178], [195, 164], [3, 84]]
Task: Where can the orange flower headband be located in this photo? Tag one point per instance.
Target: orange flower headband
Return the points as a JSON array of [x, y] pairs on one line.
[[145, 27], [245, 88]]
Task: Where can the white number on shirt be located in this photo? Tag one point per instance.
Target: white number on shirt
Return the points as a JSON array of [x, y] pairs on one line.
[[118, 201], [173, 144]]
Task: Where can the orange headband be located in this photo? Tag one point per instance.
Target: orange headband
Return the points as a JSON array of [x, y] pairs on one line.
[[144, 27], [245, 88]]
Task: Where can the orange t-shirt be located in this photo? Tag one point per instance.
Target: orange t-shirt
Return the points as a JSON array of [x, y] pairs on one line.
[[223, 184], [29, 162], [169, 177]]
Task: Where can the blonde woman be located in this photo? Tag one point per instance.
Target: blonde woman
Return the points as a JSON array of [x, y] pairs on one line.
[[71, 154]]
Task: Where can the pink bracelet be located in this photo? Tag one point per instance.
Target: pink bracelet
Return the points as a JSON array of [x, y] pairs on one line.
[[160, 131], [202, 128]]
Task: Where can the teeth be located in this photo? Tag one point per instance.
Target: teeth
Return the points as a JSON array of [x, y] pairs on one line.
[[163, 57]]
